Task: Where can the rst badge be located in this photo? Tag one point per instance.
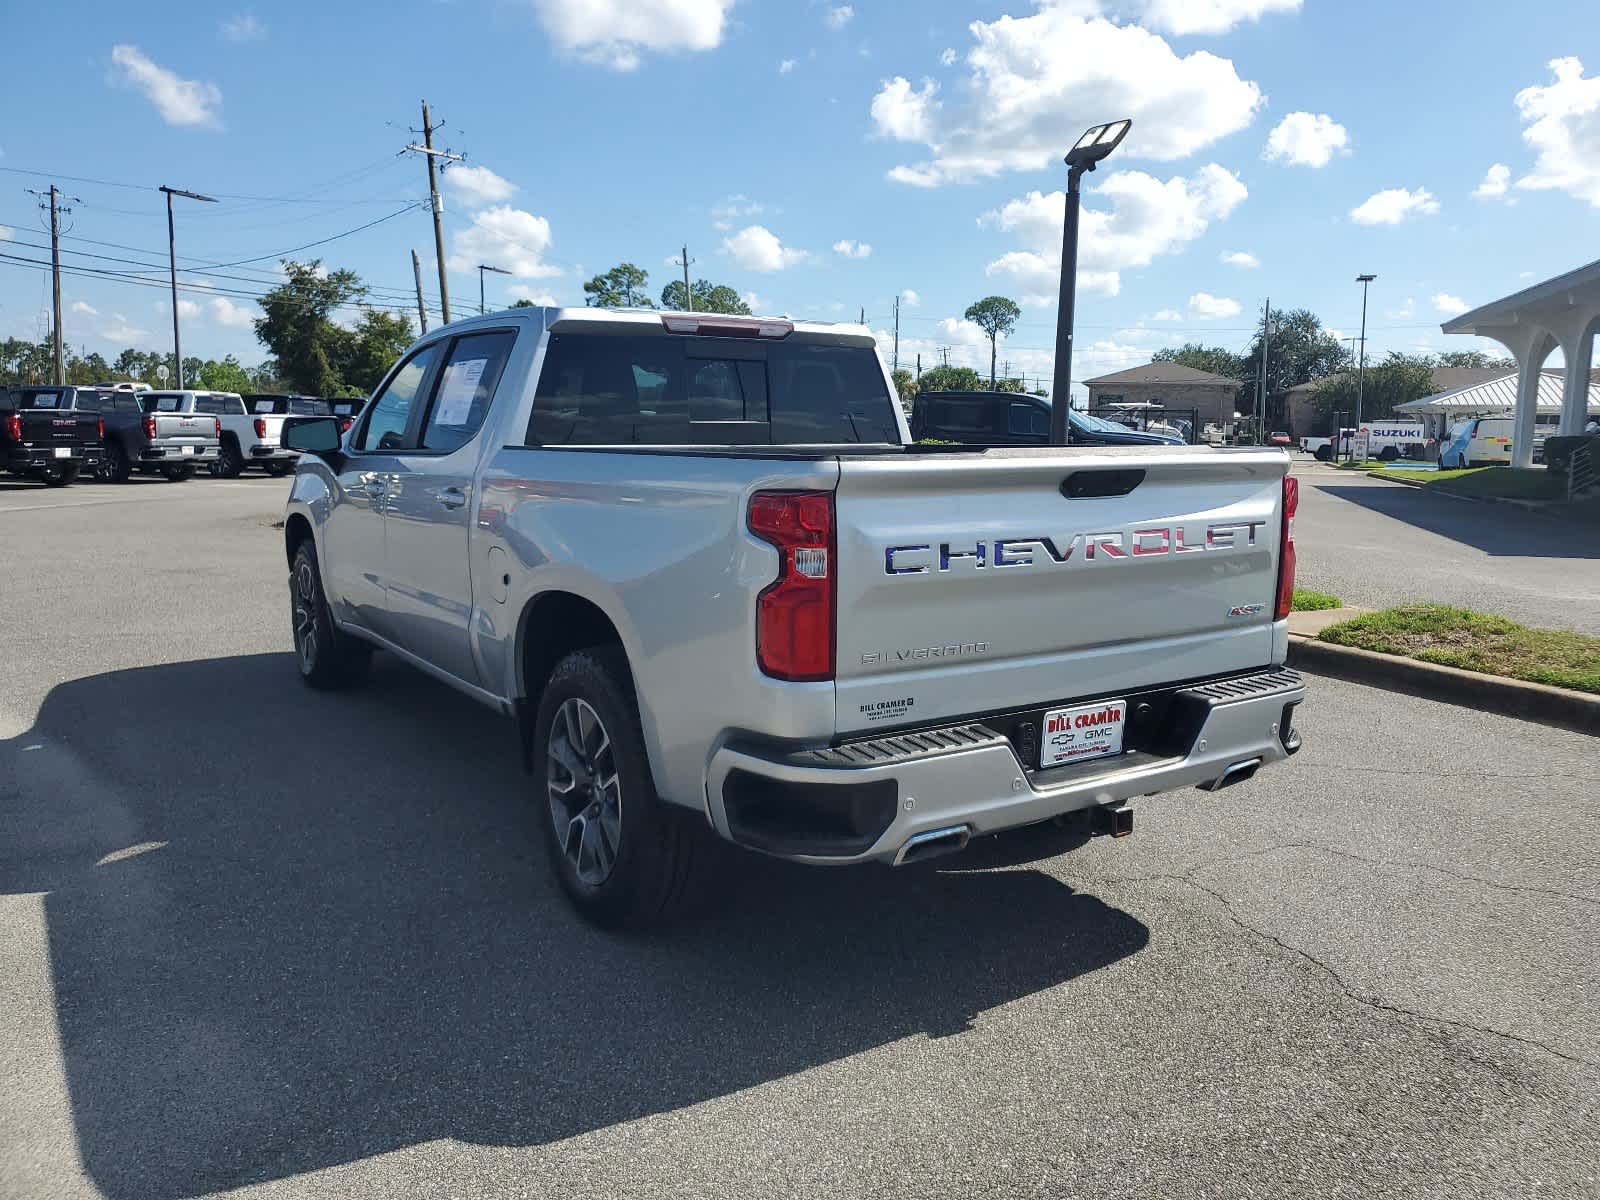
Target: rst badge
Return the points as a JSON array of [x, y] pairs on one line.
[[1247, 610]]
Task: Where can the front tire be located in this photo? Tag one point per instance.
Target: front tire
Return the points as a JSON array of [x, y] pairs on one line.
[[230, 463], [116, 468], [60, 476], [277, 469], [624, 856], [328, 660], [178, 474]]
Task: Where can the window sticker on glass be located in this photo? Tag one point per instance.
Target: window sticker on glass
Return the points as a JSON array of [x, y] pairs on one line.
[[458, 390], [263, 406]]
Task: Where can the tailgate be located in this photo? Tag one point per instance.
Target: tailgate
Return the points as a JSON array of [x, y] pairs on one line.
[[185, 427], [969, 584], [43, 427]]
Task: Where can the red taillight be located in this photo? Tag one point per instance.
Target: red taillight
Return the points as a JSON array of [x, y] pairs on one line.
[[13, 425], [344, 425], [101, 429], [728, 326], [150, 425], [261, 428], [217, 424], [1291, 502], [795, 613]]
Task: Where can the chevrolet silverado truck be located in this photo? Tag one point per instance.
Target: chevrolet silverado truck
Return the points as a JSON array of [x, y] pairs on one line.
[[699, 561], [43, 436]]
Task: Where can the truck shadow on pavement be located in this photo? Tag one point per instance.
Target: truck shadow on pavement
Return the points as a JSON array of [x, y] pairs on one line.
[[291, 930], [1501, 530]]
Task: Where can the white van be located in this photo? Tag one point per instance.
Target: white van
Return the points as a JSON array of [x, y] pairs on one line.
[[1485, 441]]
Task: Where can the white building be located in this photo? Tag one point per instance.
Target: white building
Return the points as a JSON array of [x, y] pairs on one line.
[[1565, 312], [1494, 398]]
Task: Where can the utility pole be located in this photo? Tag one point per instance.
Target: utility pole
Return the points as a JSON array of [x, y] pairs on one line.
[[416, 271], [863, 314], [919, 364], [436, 201], [1361, 372], [172, 261], [1260, 413], [481, 269], [896, 366], [53, 198], [688, 296]]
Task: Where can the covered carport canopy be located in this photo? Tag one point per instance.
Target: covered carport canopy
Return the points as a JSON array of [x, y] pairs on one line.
[[1565, 312], [1493, 397]]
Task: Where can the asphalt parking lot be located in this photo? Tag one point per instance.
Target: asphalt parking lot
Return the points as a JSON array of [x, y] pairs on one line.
[[1375, 544], [257, 938]]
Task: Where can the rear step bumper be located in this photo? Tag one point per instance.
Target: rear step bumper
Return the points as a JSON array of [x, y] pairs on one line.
[[902, 797]]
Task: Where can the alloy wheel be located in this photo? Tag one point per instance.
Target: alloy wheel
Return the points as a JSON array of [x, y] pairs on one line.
[[584, 790], [305, 616]]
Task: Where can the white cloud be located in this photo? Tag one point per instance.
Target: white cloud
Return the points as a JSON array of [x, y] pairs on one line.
[[243, 28], [1034, 79], [1305, 139], [739, 205], [852, 249], [479, 185], [1168, 314], [947, 57], [838, 16], [233, 316], [1404, 313], [505, 237], [521, 291], [615, 33], [1147, 217], [1208, 16], [179, 101], [1393, 205], [1495, 182], [7, 234], [88, 310], [910, 298], [1447, 305], [1206, 307], [1564, 129], [757, 248], [122, 330], [753, 301], [1242, 259], [786, 66]]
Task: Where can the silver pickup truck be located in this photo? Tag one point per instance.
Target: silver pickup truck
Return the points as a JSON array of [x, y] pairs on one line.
[[698, 560]]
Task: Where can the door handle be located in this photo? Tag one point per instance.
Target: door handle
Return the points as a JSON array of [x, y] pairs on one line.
[[452, 497], [373, 486]]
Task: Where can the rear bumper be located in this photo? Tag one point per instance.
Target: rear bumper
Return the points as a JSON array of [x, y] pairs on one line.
[[272, 454], [175, 454], [864, 801], [35, 458]]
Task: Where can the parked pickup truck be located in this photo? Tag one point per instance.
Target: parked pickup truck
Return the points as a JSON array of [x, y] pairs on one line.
[[697, 559], [245, 438], [145, 432], [43, 437]]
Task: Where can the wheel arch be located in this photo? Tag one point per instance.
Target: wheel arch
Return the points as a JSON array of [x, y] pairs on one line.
[[296, 532], [553, 624]]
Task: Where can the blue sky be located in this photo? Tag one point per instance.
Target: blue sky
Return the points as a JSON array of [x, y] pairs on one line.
[[821, 157]]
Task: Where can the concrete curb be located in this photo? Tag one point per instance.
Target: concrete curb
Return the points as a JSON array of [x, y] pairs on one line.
[[1549, 508], [1577, 711]]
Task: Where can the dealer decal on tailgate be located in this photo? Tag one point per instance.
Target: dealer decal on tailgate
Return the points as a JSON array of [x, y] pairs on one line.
[[1090, 731]]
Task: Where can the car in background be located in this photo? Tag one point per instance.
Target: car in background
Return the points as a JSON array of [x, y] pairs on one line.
[[143, 437], [44, 435], [1487, 441], [1280, 439], [1015, 419], [345, 408]]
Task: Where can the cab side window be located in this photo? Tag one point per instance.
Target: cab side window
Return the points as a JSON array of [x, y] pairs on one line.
[[389, 421], [466, 389]]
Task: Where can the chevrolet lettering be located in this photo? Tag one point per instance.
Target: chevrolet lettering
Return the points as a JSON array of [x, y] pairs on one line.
[[672, 550]]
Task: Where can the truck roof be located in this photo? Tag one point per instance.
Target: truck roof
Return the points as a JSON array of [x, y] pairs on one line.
[[651, 319]]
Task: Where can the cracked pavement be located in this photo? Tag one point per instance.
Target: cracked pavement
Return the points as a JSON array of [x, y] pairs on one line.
[[261, 941]]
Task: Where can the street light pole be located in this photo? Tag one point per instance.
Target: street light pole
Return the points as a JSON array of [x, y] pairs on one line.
[[1361, 372], [1094, 145], [172, 262], [481, 269]]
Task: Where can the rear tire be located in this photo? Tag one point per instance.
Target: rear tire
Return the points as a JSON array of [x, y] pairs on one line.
[[116, 468], [277, 469], [328, 659], [60, 476], [624, 856], [178, 474], [230, 463]]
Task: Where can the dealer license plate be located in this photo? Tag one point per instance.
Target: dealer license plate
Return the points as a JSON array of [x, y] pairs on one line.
[[187, 450], [1088, 731], [63, 451]]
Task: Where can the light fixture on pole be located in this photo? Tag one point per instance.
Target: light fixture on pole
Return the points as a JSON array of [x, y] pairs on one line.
[[481, 269], [172, 260], [1361, 371], [1094, 145]]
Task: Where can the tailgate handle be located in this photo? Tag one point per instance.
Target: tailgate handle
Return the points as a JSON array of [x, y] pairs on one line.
[[1084, 485]]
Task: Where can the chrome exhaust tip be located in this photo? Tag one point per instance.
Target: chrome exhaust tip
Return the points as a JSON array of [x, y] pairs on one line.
[[934, 843], [1236, 773]]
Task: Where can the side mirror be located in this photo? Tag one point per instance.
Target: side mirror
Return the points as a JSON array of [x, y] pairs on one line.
[[312, 435]]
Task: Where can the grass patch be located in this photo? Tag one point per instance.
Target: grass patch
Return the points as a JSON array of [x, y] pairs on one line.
[[1473, 641], [1506, 483], [1305, 600]]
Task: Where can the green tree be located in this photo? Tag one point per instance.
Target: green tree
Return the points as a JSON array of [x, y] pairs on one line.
[[380, 339], [1398, 378], [1476, 358], [1215, 360], [1300, 350], [624, 286], [950, 379], [524, 304], [298, 326], [906, 386], [1012, 384], [997, 317], [224, 376], [708, 298]]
